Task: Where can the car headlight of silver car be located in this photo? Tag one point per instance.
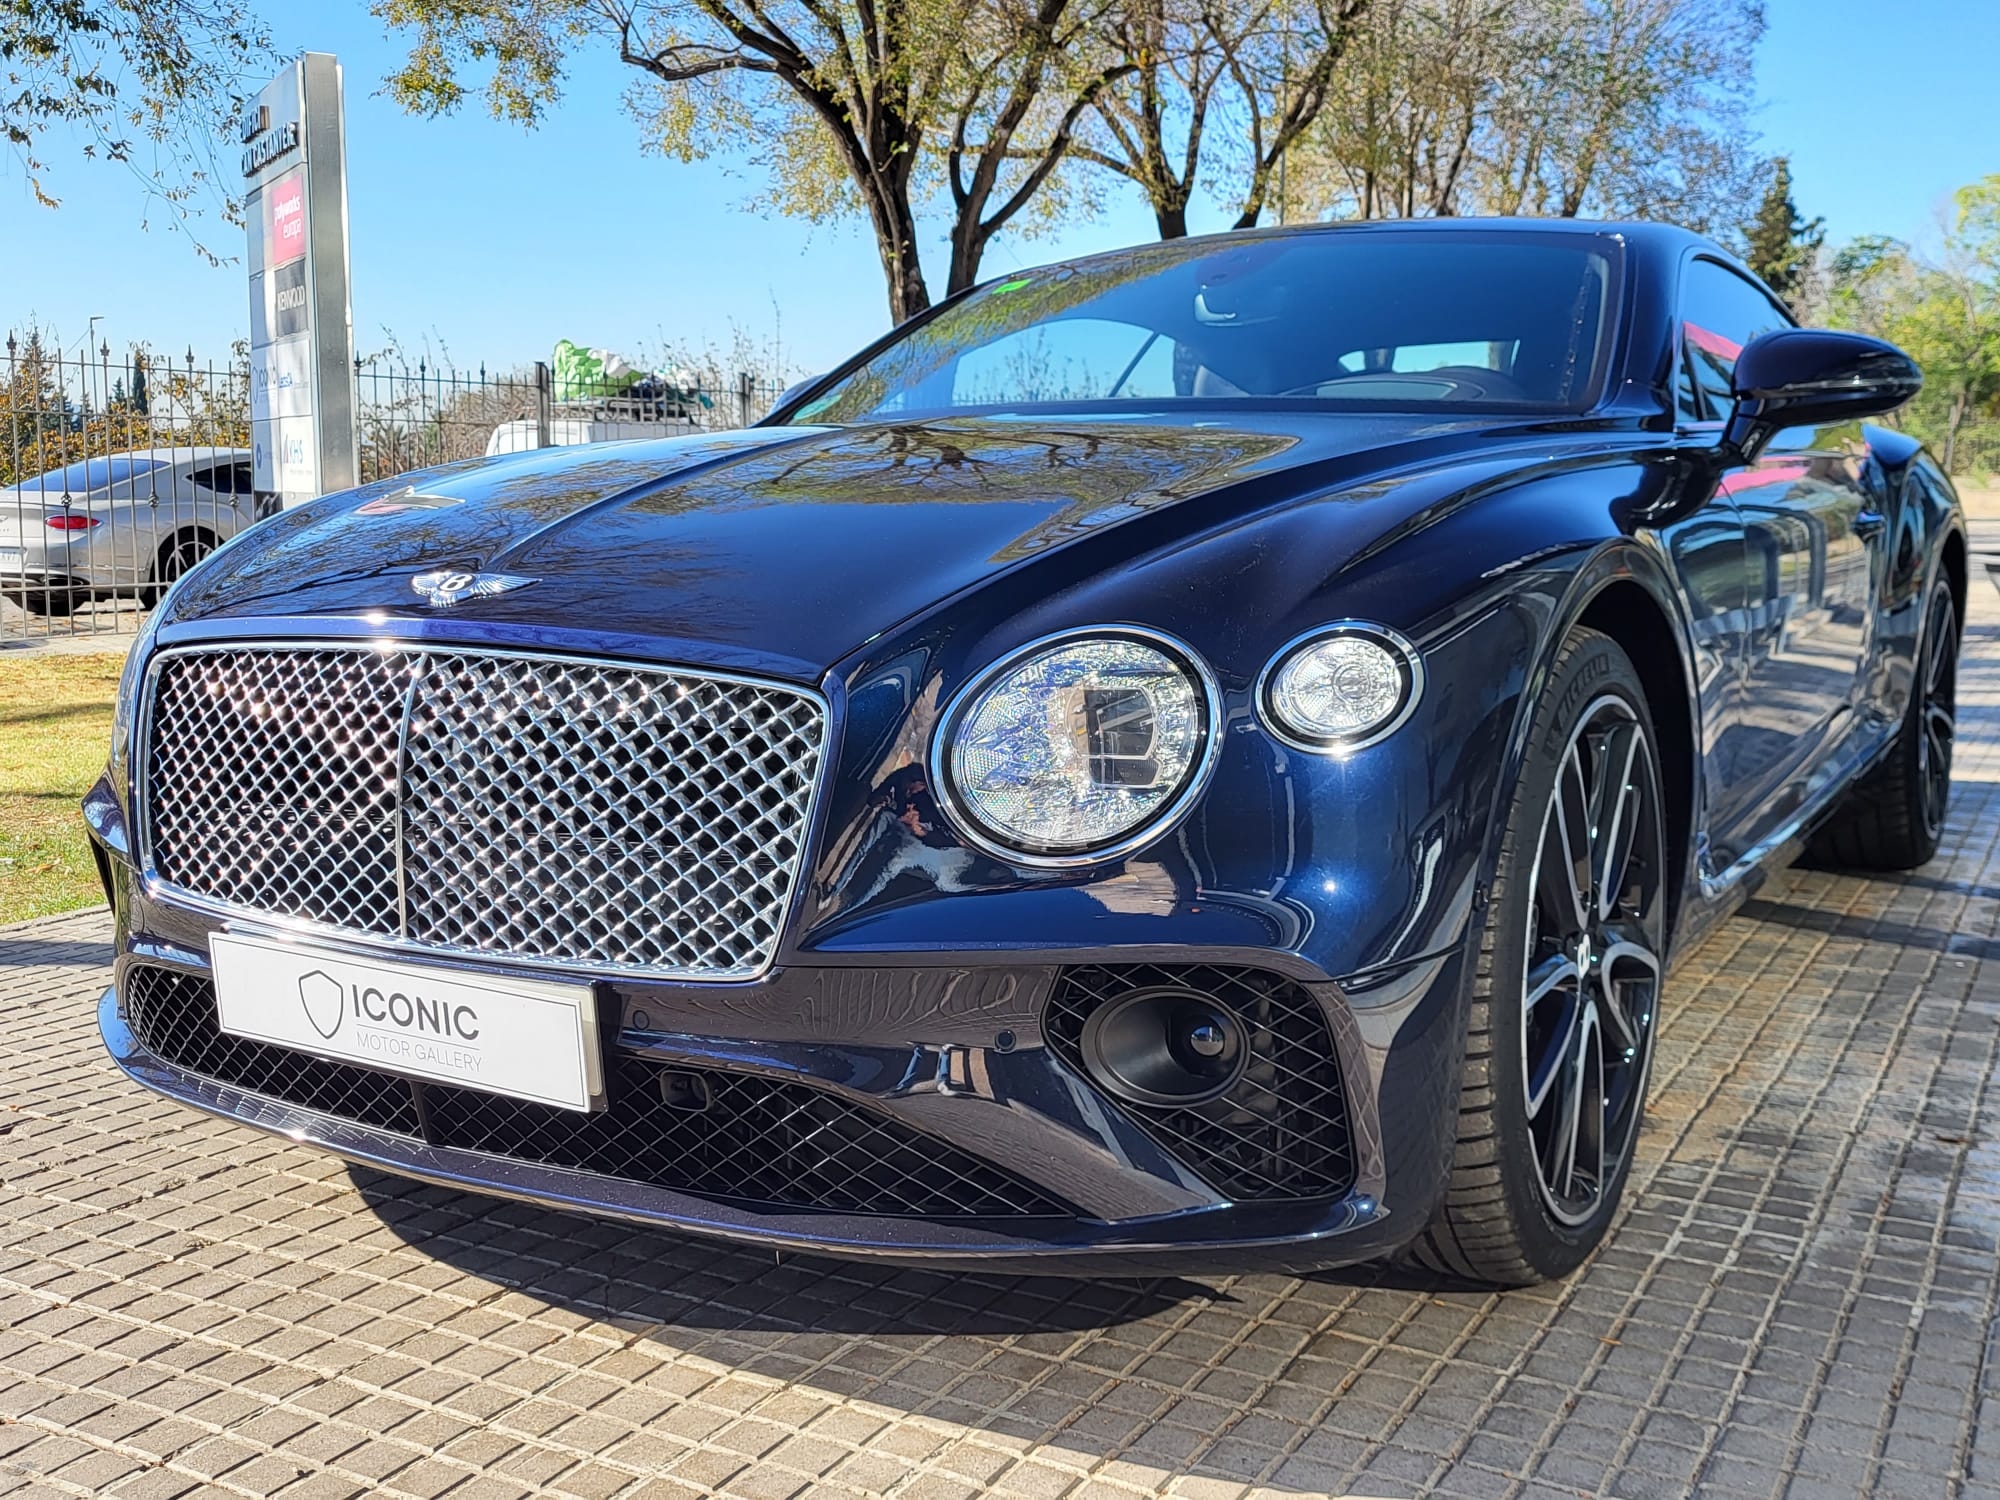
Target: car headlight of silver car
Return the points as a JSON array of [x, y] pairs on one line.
[[1341, 687], [1078, 748]]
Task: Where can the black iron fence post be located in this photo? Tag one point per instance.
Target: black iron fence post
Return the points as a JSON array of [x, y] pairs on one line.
[[544, 403]]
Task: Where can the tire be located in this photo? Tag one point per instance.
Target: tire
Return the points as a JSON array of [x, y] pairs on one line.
[[1566, 987], [1893, 818], [55, 603]]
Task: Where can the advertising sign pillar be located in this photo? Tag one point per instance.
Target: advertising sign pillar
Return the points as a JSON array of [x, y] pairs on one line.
[[301, 321]]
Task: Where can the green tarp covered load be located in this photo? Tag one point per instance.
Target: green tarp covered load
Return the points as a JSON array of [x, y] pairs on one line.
[[595, 375]]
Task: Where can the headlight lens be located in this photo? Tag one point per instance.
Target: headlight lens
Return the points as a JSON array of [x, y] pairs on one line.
[[1341, 688], [1071, 750]]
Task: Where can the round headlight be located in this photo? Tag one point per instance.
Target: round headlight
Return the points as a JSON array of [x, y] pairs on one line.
[[1074, 749], [1341, 688]]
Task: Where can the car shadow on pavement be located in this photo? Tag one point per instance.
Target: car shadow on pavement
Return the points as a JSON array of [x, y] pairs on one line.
[[626, 1273], [1871, 929]]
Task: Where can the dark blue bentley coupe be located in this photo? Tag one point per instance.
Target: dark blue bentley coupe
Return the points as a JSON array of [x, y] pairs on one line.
[[1193, 758]]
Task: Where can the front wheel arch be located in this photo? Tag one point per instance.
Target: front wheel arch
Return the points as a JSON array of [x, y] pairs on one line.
[[1623, 591]]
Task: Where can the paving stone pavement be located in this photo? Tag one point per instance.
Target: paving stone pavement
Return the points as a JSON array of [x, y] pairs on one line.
[[1800, 1299]]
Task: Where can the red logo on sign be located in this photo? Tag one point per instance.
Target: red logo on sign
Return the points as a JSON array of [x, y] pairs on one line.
[[285, 220]]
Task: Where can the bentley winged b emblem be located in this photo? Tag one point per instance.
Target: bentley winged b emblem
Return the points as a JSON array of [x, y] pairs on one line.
[[446, 586]]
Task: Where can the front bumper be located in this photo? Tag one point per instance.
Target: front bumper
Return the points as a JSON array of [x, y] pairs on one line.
[[951, 1063], [1351, 1229]]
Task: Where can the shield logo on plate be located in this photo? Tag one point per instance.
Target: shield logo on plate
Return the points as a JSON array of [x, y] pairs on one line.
[[320, 994]]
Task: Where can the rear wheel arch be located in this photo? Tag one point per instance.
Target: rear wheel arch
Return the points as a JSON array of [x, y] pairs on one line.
[[1953, 560], [192, 531]]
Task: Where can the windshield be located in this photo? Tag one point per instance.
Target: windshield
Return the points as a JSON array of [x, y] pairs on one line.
[[91, 474], [1368, 319]]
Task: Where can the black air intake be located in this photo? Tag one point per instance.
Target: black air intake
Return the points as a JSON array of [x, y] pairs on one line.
[[1231, 1070]]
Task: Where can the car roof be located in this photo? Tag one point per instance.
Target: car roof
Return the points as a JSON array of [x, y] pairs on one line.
[[1656, 241], [181, 455]]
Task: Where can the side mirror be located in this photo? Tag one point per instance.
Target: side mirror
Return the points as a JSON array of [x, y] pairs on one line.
[[1798, 377]]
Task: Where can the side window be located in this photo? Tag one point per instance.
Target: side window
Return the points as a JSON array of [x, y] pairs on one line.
[[223, 479], [1720, 313]]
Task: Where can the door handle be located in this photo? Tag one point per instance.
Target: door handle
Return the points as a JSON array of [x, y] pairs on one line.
[[1869, 524]]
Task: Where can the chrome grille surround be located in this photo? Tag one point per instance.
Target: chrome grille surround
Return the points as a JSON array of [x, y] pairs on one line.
[[551, 810]]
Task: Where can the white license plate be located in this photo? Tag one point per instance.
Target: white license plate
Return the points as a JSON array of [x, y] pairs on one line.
[[12, 559], [526, 1038]]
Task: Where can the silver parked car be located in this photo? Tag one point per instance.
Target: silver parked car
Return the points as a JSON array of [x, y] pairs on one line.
[[125, 524]]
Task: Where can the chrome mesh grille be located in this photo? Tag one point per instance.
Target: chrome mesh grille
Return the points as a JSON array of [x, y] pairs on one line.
[[271, 782], [582, 813]]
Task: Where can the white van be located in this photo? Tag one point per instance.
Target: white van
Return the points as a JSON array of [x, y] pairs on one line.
[[524, 436]]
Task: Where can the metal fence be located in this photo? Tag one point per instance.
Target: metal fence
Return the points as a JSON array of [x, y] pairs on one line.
[[414, 417], [117, 474]]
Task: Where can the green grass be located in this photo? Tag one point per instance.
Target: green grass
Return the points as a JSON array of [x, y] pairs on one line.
[[55, 728]]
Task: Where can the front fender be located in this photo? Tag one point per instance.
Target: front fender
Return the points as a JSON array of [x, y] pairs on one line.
[[1317, 865]]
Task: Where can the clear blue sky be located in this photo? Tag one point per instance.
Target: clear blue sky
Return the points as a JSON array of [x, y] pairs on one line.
[[494, 242]]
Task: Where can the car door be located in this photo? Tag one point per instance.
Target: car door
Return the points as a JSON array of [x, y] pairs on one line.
[[129, 499], [1705, 548], [1806, 512]]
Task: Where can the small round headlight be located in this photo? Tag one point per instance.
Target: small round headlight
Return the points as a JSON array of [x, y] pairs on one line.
[[1075, 749], [1341, 688]]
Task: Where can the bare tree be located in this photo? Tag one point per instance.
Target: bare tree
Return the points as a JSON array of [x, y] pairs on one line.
[[1256, 73], [848, 105]]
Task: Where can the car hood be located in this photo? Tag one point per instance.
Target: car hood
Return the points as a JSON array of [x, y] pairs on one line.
[[786, 549]]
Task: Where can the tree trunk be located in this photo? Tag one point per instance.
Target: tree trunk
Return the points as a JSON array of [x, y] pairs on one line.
[[968, 248], [1172, 220], [896, 243]]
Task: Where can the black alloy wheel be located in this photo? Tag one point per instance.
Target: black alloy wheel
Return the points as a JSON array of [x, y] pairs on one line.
[[1937, 712], [1566, 990], [1595, 931]]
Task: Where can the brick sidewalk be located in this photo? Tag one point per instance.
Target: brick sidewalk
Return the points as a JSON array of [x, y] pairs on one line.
[[1800, 1300]]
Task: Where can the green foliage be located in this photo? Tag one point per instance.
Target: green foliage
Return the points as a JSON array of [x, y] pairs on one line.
[[1602, 108], [119, 73], [37, 418], [1779, 245], [1943, 309]]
